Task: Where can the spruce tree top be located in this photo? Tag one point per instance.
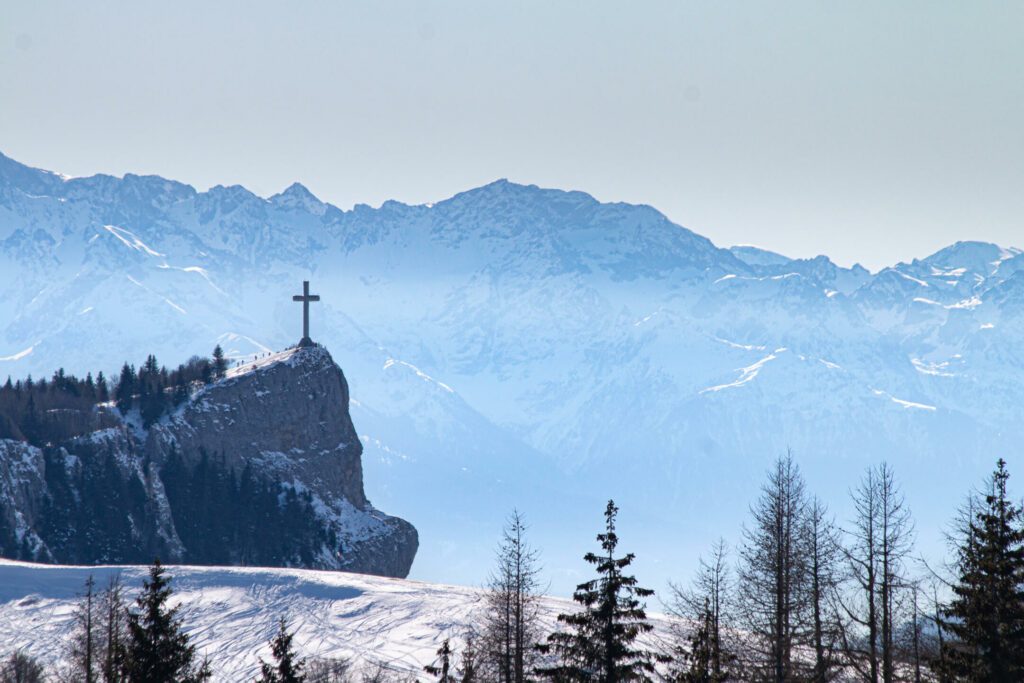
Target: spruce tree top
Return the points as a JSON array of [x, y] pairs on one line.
[[289, 667], [159, 650], [986, 614], [600, 643]]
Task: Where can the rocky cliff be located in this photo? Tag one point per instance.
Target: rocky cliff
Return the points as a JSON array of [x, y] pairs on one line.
[[261, 467]]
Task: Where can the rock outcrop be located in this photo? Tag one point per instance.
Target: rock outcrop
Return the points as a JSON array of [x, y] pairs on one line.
[[283, 419]]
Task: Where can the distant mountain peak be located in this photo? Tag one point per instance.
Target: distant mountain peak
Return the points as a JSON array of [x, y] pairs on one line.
[[297, 190], [973, 256], [27, 178], [298, 196]]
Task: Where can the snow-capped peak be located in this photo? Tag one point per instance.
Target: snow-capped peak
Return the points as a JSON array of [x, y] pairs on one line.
[[297, 196]]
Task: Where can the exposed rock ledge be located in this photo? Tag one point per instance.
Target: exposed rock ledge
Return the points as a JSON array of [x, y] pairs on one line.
[[285, 416]]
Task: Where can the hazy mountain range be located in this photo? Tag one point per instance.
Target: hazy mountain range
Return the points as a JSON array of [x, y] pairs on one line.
[[514, 345]]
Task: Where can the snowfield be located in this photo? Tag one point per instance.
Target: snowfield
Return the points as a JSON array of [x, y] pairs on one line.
[[232, 613]]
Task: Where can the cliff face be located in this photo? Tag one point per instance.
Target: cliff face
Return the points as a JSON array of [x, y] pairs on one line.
[[279, 426], [287, 414]]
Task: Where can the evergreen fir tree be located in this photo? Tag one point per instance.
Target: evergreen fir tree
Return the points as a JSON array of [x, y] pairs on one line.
[[151, 384], [600, 644], [709, 602], [986, 615], [102, 391], [89, 388], [700, 661], [288, 667], [442, 669], [125, 389], [158, 649], [220, 364]]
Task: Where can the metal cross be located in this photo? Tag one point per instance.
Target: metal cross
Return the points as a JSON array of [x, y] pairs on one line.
[[305, 298]]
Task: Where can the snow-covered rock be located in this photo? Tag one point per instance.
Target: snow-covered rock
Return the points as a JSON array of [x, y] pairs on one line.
[[284, 416]]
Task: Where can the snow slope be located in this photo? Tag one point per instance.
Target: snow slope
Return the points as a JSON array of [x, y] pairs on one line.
[[232, 613]]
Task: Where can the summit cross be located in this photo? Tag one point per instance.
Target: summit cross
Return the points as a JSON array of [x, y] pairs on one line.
[[305, 298]]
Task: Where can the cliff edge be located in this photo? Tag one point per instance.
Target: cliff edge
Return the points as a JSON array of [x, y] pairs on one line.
[[261, 467]]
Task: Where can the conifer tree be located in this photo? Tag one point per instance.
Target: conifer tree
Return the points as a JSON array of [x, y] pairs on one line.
[[443, 665], [600, 644], [125, 389], [151, 368], [220, 364], [102, 391], [986, 615], [151, 382], [699, 664], [708, 602], [158, 649], [288, 668]]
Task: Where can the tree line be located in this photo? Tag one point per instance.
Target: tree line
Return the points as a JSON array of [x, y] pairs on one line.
[[802, 598], [226, 517], [38, 411], [114, 641], [95, 512]]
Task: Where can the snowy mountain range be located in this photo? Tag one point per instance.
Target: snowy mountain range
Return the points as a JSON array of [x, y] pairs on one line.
[[519, 346]]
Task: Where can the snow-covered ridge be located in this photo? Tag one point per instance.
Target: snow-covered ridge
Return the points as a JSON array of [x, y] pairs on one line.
[[233, 611]]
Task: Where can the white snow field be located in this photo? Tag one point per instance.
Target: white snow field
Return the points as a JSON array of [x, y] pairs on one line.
[[232, 613]]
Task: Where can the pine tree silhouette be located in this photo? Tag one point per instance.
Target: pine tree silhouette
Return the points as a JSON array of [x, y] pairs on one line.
[[158, 649], [986, 615], [288, 667], [220, 365], [600, 643]]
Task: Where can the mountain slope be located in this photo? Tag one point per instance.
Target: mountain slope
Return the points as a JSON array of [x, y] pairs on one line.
[[232, 614], [512, 335]]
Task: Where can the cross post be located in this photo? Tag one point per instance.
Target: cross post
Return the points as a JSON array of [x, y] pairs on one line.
[[305, 298]]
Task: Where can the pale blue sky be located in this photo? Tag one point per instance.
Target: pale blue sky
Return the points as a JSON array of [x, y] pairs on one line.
[[872, 132]]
